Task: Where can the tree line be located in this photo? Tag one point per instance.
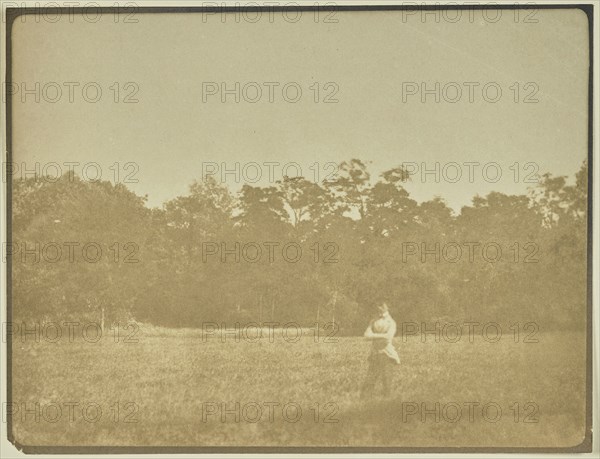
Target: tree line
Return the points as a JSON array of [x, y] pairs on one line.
[[297, 251]]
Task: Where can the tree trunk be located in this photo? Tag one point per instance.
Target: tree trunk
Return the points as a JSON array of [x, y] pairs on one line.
[[333, 307], [272, 308], [318, 313]]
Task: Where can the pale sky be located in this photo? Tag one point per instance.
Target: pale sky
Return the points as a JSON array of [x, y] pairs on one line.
[[368, 56]]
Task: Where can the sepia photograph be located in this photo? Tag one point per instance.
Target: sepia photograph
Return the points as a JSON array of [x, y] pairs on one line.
[[299, 227]]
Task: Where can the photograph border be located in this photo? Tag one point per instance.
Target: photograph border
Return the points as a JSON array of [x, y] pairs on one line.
[[13, 13]]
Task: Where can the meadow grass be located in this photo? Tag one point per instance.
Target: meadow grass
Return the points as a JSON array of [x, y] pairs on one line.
[[155, 392]]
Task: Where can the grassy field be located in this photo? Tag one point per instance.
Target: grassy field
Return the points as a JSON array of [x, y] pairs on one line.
[[169, 388]]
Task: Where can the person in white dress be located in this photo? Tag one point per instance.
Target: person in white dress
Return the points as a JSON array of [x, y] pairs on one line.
[[383, 356]]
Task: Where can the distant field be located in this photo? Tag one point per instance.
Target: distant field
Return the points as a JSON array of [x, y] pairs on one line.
[[170, 379]]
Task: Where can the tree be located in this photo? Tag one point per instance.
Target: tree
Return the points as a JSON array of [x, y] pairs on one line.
[[85, 240]]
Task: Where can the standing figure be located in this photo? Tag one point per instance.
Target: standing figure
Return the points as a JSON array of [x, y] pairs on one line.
[[383, 357]]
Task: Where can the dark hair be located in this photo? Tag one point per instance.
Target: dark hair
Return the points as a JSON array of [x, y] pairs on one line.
[[382, 305]]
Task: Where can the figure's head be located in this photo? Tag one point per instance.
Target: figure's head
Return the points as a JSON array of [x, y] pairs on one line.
[[381, 324], [382, 308]]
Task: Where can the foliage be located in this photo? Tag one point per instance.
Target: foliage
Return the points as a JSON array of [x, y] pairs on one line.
[[213, 256]]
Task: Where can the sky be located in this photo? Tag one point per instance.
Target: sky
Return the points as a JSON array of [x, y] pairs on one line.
[[370, 66]]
